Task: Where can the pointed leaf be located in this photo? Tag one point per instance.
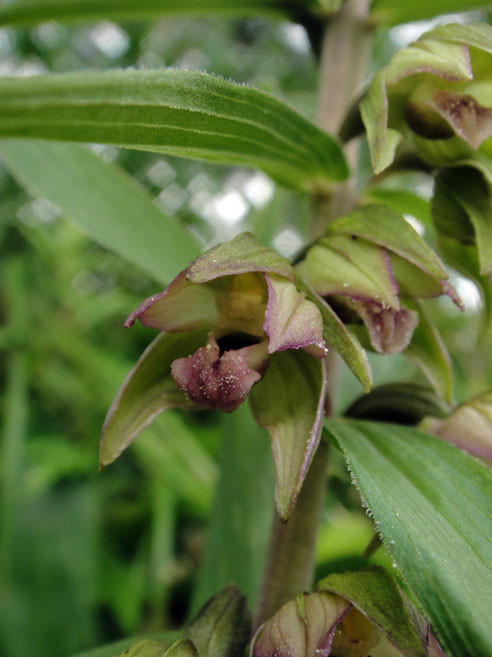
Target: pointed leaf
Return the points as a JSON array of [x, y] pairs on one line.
[[104, 202], [433, 506], [378, 223], [147, 390], [243, 254], [289, 403], [178, 112], [375, 593], [29, 12], [429, 353], [469, 427], [149, 648]]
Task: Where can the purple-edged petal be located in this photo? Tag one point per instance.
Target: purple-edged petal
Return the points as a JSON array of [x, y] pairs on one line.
[[469, 427], [213, 378], [241, 255], [291, 321], [148, 390], [289, 403], [351, 267], [469, 120], [182, 306], [301, 628], [390, 331]]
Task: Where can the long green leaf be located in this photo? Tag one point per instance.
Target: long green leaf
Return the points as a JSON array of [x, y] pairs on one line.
[[178, 112], [29, 12], [103, 202], [433, 506], [392, 12], [238, 530], [112, 649]]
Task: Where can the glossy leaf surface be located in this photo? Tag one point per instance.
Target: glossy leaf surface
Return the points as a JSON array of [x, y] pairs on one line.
[[179, 112], [433, 507]]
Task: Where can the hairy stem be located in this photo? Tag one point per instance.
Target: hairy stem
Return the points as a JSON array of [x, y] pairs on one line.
[[291, 556]]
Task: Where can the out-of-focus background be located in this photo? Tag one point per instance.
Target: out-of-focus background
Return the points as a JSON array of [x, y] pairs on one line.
[[88, 557]]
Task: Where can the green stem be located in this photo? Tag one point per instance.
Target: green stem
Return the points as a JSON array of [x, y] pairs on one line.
[[291, 556]]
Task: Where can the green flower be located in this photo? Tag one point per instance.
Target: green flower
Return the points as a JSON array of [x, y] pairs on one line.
[[232, 324], [438, 93]]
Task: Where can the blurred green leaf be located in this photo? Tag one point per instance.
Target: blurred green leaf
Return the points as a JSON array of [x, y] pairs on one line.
[[178, 112], [104, 202], [432, 505], [237, 536], [28, 12], [392, 12]]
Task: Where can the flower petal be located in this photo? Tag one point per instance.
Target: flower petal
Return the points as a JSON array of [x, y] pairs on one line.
[[214, 378], [291, 321], [469, 120], [289, 403], [351, 267], [148, 390], [182, 306], [241, 255], [301, 628], [390, 331]]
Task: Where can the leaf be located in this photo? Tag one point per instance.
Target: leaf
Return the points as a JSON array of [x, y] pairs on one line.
[[147, 390], [375, 593], [432, 505], [178, 112], [29, 12], [104, 202], [378, 223], [237, 534], [289, 403], [117, 647], [465, 188], [392, 12], [146, 648], [429, 353]]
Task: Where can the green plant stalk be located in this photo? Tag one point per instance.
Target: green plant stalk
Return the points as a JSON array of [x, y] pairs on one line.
[[291, 556]]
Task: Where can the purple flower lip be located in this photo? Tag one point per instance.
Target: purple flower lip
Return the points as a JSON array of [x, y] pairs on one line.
[[219, 374]]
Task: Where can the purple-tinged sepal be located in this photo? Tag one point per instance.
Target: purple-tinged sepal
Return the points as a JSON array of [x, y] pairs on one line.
[[469, 427], [303, 627]]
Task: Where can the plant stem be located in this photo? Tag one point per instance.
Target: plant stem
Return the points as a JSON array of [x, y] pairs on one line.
[[291, 555]]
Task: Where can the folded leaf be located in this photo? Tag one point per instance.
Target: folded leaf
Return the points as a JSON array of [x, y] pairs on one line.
[[375, 593], [104, 202], [289, 403], [147, 390], [432, 506], [29, 12], [178, 112]]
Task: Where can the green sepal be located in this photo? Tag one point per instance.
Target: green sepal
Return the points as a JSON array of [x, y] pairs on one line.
[[147, 390], [289, 402]]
